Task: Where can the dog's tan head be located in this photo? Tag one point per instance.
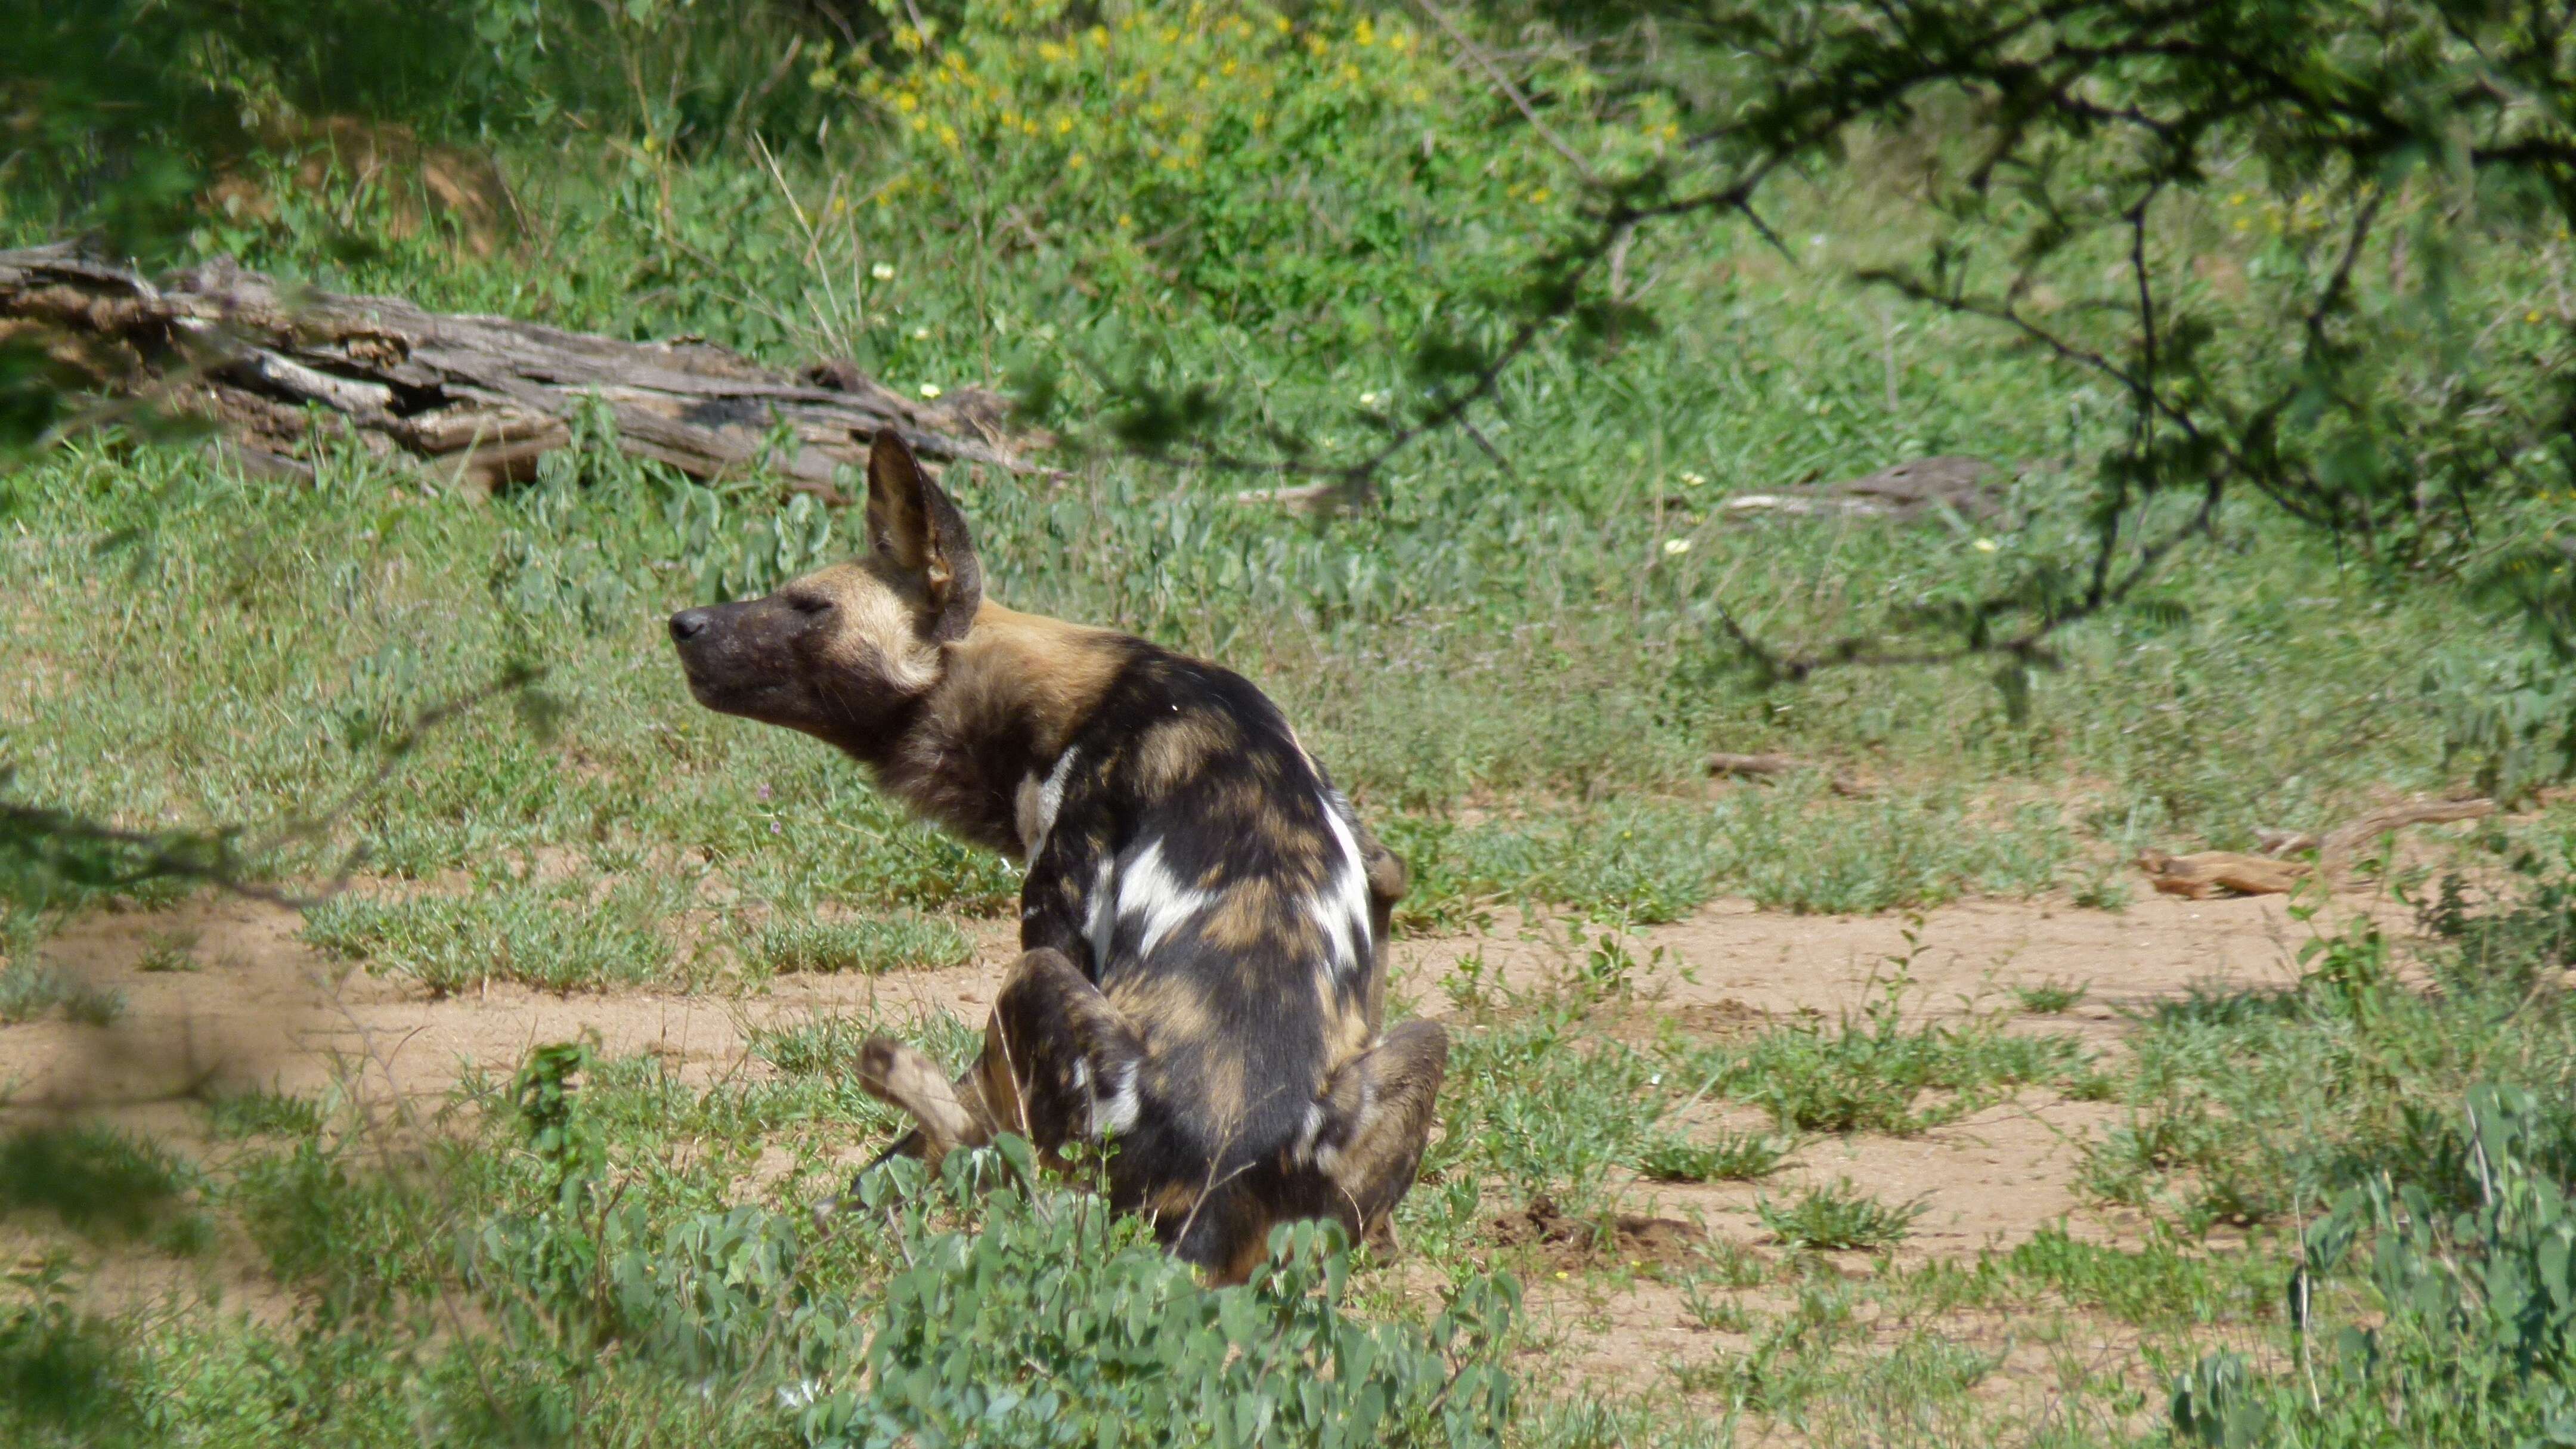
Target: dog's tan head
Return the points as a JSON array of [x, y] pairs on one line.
[[847, 653]]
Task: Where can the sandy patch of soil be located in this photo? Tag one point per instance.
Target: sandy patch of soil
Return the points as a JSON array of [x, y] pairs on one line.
[[260, 1008]]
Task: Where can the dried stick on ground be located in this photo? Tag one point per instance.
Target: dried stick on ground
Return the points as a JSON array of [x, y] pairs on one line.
[[2221, 872], [2335, 855], [1769, 766], [474, 399]]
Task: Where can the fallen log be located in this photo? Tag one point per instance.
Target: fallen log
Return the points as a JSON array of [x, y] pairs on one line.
[[1771, 766], [2215, 872], [470, 399], [2219, 872], [2336, 851], [1900, 493]]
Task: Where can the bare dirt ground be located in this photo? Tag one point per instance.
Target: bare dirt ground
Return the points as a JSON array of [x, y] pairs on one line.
[[260, 1008]]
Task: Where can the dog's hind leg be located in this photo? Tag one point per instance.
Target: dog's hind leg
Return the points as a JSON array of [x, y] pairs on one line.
[[1373, 1122], [1059, 1063], [1387, 880]]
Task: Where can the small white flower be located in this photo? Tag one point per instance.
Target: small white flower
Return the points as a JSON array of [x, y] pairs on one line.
[[1693, 479], [1677, 546], [1371, 399], [882, 271], [1985, 545], [921, 334], [930, 389]]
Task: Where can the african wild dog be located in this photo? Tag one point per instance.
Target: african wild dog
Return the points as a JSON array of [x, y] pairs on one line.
[[1203, 919]]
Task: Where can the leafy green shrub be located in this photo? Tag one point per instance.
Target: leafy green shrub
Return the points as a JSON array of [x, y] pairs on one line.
[[2477, 1343], [869, 946], [65, 1377], [1297, 163], [357, 1239], [1054, 1321]]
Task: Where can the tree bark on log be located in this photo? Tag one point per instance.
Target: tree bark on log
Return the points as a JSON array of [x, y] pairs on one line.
[[471, 399]]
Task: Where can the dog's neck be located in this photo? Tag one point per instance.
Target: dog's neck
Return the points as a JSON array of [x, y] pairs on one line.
[[1014, 691]]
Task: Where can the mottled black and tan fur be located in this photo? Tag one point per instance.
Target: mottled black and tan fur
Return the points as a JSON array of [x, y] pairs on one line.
[[1203, 919]]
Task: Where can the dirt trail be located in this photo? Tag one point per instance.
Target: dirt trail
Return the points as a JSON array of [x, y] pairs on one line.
[[260, 1008], [257, 1007]]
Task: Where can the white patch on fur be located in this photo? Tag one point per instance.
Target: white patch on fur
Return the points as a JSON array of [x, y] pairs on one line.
[[1328, 1155], [1153, 898], [1036, 803], [1117, 1112], [1102, 922], [1342, 911], [1082, 1074], [1309, 1130]]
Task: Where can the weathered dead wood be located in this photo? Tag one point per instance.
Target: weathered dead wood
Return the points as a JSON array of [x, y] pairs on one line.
[[2279, 843], [2212, 872], [1772, 766], [2335, 854], [1901, 493], [2219, 872], [474, 399], [1329, 496]]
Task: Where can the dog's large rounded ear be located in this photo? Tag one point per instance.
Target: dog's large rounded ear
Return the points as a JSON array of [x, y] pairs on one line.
[[912, 523]]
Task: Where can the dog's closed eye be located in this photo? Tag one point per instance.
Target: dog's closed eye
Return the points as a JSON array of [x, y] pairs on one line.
[[809, 604]]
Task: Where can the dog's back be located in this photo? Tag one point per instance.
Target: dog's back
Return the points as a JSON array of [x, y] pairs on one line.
[[1198, 859]]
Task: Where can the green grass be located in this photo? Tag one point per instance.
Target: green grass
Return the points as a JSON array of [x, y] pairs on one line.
[[28, 991], [555, 938], [260, 1111], [1880, 1072], [868, 947], [169, 951], [2051, 998], [1729, 1157], [1835, 1217], [91, 1178]]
